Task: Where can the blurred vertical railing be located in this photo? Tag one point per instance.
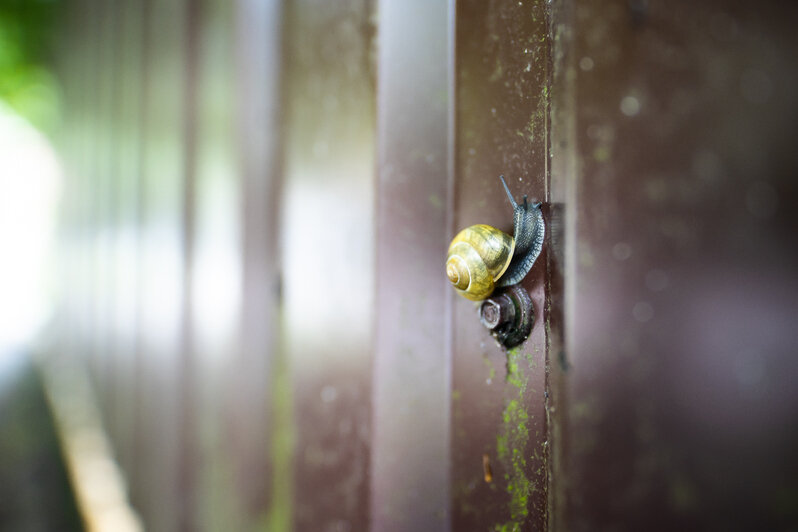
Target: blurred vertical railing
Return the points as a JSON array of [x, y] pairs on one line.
[[411, 439], [125, 281], [248, 427], [327, 238]]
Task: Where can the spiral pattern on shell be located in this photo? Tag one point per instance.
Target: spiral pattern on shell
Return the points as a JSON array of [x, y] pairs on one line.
[[477, 257]]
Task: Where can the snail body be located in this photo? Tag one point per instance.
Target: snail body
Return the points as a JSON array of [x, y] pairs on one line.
[[529, 231], [482, 257]]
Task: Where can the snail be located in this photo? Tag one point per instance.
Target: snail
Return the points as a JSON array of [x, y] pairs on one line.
[[482, 257]]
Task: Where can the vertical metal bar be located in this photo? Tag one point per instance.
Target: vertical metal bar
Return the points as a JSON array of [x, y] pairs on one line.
[[250, 420], [126, 278], [562, 237], [680, 380], [162, 298], [93, 188], [328, 257], [498, 399], [146, 46], [187, 434], [410, 460], [103, 202], [114, 347]]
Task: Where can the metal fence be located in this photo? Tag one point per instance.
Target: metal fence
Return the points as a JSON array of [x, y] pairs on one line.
[[258, 202]]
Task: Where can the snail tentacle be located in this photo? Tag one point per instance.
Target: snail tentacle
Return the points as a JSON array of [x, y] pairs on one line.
[[509, 194]]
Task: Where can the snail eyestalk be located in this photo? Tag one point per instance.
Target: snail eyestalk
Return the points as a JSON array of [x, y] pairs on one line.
[[509, 194]]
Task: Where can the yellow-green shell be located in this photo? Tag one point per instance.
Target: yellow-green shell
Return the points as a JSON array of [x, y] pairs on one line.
[[477, 257]]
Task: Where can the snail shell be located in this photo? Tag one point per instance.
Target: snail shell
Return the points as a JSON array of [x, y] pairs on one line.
[[478, 256], [482, 257]]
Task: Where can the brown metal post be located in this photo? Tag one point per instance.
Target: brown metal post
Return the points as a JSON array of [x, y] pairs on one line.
[[411, 438], [675, 398]]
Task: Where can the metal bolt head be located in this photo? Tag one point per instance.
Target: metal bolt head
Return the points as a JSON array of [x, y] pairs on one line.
[[508, 315], [497, 311]]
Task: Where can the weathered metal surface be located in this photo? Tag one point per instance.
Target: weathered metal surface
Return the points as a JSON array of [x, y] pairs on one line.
[[676, 396], [497, 397]]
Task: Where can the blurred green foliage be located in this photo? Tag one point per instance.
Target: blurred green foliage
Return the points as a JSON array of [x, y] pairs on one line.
[[28, 32]]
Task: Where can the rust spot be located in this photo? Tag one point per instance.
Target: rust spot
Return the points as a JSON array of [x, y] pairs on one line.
[[486, 468]]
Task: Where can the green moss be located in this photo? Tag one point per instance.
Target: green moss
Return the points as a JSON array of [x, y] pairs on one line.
[[491, 369], [537, 120], [512, 442], [279, 516]]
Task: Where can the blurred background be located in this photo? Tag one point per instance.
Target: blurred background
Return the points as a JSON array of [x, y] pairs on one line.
[[222, 300]]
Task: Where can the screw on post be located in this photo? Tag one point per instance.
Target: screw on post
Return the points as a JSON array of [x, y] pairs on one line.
[[508, 315]]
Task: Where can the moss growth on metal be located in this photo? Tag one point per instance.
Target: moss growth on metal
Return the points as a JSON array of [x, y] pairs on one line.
[[512, 443], [491, 370], [279, 516]]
